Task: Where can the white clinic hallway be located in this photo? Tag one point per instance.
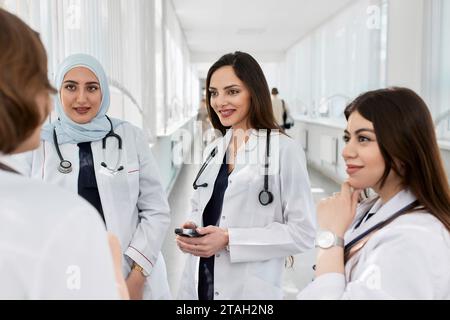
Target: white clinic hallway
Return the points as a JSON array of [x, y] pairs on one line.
[[296, 277], [152, 71]]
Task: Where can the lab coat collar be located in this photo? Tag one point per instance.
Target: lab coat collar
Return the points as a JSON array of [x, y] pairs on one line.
[[398, 202], [8, 161], [254, 138], [212, 170], [250, 145]]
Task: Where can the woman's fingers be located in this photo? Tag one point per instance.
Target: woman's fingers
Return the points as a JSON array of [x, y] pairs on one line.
[[189, 225]]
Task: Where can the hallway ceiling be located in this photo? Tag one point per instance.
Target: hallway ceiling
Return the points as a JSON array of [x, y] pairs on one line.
[[263, 27]]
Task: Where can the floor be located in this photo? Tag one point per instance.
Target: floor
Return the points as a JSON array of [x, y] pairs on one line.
[[295, 278]]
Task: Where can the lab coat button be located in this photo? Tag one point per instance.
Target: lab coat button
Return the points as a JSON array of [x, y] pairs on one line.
[[223, 217], [216, 293], [218, 255]]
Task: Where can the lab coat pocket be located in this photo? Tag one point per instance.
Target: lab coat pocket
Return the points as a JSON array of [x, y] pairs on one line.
[[156, 286], [257, 288]]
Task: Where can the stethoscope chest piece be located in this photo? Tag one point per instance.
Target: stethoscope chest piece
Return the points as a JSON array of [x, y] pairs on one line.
[[65, 166], [265, 197]]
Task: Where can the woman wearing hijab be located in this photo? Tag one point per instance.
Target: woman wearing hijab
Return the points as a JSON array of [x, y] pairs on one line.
[[108, 162]]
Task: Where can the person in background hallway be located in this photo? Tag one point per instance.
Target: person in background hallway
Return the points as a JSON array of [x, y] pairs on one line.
[[246, 238], [280, 110], [120, 179], [53, 244], [397, 243]]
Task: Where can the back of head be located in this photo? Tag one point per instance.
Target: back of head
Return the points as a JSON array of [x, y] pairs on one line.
[[407, 140], [23, 75], [250, 73], [275, 91]]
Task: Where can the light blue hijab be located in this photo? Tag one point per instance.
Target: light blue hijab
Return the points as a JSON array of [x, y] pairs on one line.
[[69, 131]]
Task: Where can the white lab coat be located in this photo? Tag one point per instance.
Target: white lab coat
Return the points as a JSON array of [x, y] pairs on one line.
[[407, 259], [47, 252], [260, 237], [133, 200]]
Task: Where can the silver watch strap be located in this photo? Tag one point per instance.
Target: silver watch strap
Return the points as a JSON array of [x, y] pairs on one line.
[[338, 241]]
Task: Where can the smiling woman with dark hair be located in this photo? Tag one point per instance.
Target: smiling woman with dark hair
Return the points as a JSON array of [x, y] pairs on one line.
[[253, 200], [397, 243]]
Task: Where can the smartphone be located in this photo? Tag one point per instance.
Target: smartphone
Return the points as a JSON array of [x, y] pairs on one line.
[[191, 233]]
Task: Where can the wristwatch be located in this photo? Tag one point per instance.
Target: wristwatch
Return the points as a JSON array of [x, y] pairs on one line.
[[327, 239], [139, 268]]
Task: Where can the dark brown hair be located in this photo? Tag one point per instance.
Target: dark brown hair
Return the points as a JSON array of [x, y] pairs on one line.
[[23, 75], [250, 73], [407, 141]]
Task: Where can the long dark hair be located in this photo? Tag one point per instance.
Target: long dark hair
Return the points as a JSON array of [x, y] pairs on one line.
[[250, 73], [407, 141]]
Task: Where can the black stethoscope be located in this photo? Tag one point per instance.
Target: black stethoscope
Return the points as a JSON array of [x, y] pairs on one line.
[[379, 225], [265, 196], [65, 166]]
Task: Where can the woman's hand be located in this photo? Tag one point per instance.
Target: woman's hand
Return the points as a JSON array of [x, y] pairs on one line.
[[213, 240], [189, 225], [116, 252], [135, 284], [336, 213]]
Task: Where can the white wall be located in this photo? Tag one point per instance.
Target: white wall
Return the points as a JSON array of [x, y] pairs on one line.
[[144, 53], [405, 43], [337, 61]]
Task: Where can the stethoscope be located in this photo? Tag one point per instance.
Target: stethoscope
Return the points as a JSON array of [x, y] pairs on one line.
[[65, 166], [376, 227], [265, 196]]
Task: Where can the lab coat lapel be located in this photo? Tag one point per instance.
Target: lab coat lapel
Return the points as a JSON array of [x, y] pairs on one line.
[[398, 202], [113, 188], [245, 168], [212, 170]]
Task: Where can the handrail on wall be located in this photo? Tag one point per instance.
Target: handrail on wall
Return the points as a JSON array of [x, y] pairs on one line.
[[441, 118], [325, 101], [115, 84]]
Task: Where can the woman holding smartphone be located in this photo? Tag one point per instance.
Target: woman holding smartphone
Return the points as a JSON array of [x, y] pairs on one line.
[[252, 202]]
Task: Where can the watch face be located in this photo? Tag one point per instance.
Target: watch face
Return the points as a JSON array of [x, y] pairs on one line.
[[325, 239]]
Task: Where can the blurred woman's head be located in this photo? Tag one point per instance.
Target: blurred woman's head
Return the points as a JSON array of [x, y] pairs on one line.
[[390, 141], [238, 95], [24, 86]]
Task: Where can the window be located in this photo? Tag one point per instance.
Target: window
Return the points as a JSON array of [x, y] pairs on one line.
[[180, 79], [338, 61], [139, 43], [444, 76], [437, 64]]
